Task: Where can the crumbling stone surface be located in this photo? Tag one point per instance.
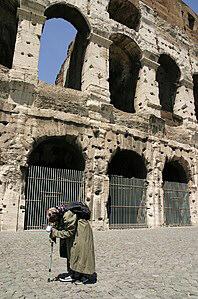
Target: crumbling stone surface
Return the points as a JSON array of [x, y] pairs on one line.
[[61, 99], [111, 97]]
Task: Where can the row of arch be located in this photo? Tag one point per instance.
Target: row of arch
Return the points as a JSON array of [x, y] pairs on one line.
[[126, 205], [124, 56], [63, 152]]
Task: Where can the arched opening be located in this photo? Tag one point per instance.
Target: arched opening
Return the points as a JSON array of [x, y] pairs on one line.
[[126, 205], [168, 76], [54, 72], [57, 152], [127, 164], [69, 21], [176, 194], [55, 176], [174, 172], [195, 92], [8, 31], [124, 12], [124, 66]]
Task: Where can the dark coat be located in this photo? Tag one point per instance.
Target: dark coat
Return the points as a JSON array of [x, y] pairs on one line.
[[76, 243]]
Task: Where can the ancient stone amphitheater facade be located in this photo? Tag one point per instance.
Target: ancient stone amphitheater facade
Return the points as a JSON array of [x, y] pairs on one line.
[[123, 113]]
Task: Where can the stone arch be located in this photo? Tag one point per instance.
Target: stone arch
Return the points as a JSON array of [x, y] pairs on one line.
[[168, 76], [71, 14], [195, 92], [124, 66], [126, 205], [176, 170], [124, 12], [176, 197], [55, 176], [127, 163], [8, 31], [57, 152], [70, 74]]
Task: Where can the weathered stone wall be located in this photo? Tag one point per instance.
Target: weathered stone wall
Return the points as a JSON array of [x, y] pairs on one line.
[[32, 110]]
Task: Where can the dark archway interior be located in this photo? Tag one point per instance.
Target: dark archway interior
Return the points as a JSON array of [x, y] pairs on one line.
[[195, 91], [57, 152], [8, 31], [168, 75], [124, 12], [127, 164], [79, 45], [174, 172], [124, 66]]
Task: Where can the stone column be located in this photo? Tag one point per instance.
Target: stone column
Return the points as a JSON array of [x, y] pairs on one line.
[[100, 200], [184, 102], [25, 61], [193, 203], [154, 193], [95, 72], [10, 190], [97, 181], [147, 92]]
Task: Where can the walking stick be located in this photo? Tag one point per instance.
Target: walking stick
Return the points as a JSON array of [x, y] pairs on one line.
[[50, 265]]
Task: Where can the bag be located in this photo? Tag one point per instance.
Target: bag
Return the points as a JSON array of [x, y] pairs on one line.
[[80, 209], [77, 207]]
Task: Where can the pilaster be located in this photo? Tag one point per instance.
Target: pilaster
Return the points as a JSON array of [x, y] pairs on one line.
[[184, 101], [96, 68], [146, 98], [25, 62]]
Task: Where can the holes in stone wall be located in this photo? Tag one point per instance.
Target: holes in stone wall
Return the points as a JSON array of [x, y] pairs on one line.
[[5, 123]]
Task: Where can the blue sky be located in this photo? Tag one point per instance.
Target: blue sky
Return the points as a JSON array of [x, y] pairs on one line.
[[193, 4], [57, 35]]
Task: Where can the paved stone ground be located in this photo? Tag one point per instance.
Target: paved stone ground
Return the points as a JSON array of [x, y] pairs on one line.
[[131, 264]]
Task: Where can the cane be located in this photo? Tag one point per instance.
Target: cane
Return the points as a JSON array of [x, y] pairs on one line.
[[50, 265]]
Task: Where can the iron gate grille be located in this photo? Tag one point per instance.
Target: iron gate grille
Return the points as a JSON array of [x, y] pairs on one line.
[[176, 204], [49, 187], [126, 207]]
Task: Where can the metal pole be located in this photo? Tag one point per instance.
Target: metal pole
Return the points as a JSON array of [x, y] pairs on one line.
[[50, 265]]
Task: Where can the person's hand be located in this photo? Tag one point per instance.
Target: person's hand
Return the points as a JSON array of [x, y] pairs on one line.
[[48, 229]]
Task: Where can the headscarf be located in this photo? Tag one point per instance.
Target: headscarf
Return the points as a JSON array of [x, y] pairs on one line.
[[52, 215]]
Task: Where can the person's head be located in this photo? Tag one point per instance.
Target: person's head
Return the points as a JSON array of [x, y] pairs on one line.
[[52, 215]]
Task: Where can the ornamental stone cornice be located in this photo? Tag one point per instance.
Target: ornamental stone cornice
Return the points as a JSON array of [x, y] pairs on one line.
[[30, 16], [100, 40]]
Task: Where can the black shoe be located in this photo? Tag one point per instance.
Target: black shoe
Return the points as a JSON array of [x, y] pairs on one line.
[[82, 280]]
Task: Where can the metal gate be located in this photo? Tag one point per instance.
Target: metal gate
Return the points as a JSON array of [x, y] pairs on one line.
[[176, 204], [49, 187], [126, 206]]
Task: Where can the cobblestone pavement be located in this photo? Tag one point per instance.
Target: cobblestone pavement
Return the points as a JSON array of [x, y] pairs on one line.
[[156, 263]]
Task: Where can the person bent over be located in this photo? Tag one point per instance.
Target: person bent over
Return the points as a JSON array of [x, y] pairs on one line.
[[76, 244]]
